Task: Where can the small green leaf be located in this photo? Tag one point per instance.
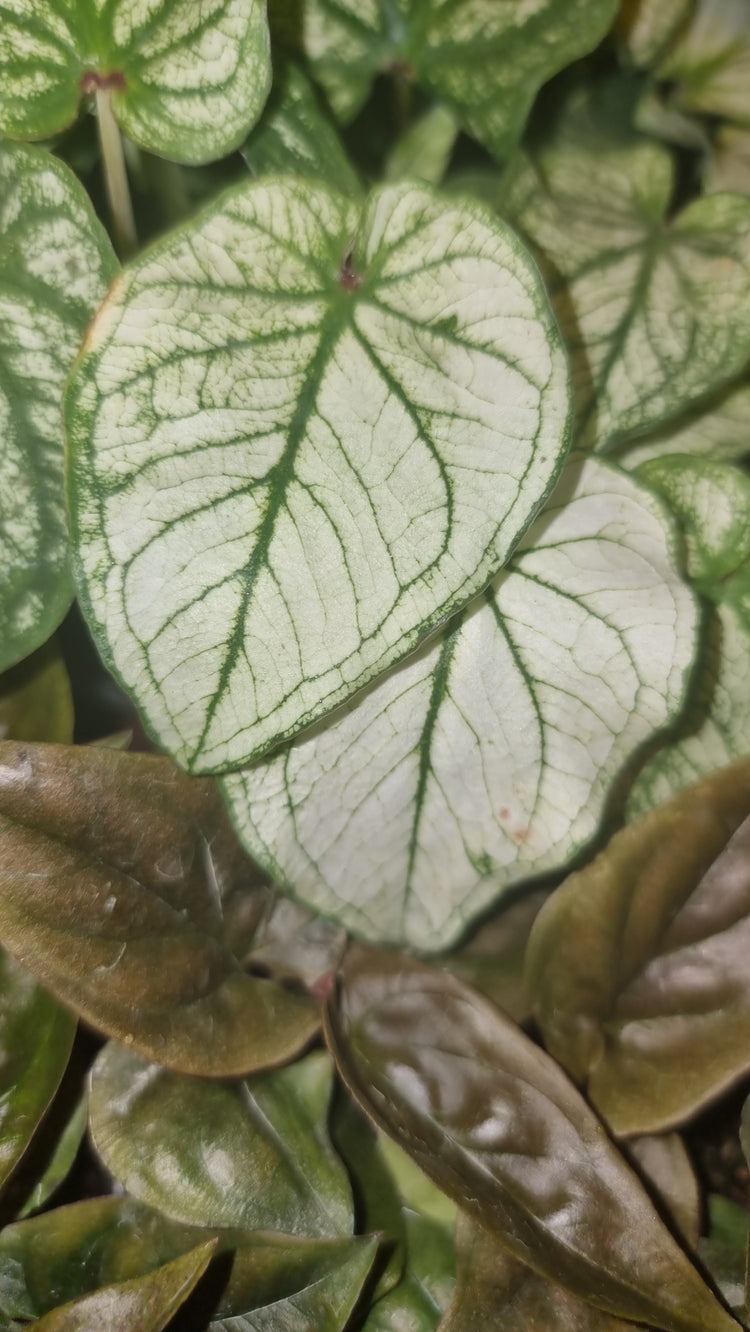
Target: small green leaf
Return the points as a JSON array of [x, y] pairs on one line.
[[145, 1304], [638, 964], [298, 439], [67, 1253], [655, 309], [709, 65], [490, 753], [424, 150], [295, 134], [187, 81], [258, 1155], [712, 503], [124, 891], [486, 61], [496, 1124], [494, 1289], [36, 1036], [55, 263], [35, 699], [61, 1160]]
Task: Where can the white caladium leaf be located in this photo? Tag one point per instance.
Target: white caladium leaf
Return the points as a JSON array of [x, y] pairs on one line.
[[487, 756], [55, 263], [710, 63], [712, 503], [299, 437], [187, 80], [656, 311], [296, 134], [719, 428], [486, 59]]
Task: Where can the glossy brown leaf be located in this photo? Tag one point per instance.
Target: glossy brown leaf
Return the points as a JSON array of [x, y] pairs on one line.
[[638, 964], [493, 1289], [663, 1162], [123, 889], [493, 959], [145, 1304], [496, 1124]]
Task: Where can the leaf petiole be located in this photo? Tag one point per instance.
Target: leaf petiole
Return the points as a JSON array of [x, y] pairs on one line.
[[115, 175]]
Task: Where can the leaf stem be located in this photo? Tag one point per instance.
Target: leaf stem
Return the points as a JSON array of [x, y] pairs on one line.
[[115, 175]]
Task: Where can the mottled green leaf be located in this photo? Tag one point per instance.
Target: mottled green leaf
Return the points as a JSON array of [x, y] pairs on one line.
[[488, 755], [709, 65], [712, 503], [254, 1154], [145, 1304], [35, 699], [64, 1254], [295, 134], [655, 308], [124, 891], [483, 58], [36, 1036], [638, 964], [423, 151], [495, 1122], [61, 1161], [187, 80], [719, 429], [298, 439], [55, 263], [494, 1289]]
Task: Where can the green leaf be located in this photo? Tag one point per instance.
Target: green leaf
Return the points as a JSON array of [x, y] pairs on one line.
[[484, 60], [61, 1161], [36, 702], [709, 65], [712, 503], [495, 1122], [55, 263], [495, 1290], [187, 81], [145, 1304], [638, 964], [36, 1036], [66, 1253], [719, 429], [281, 479], [257, 1155], [488, 756], [124, 891], [655, 309], [424, 150], [295, 134]]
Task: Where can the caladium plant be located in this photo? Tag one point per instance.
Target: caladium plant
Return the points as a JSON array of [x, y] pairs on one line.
[[376, 379]]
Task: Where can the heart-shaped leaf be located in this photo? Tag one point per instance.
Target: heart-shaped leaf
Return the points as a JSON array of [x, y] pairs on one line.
[[496, 1124], [485, 60], [655, 309], [146, 1303], [709, 65], [67, 1253], [187, 81], [124, 891], [35, 699], [489, 755], [257, 1156], [295, 134], [719, 429], [36, 1036], [712, 504], [55, 263], [637, 965], [305, 460]]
